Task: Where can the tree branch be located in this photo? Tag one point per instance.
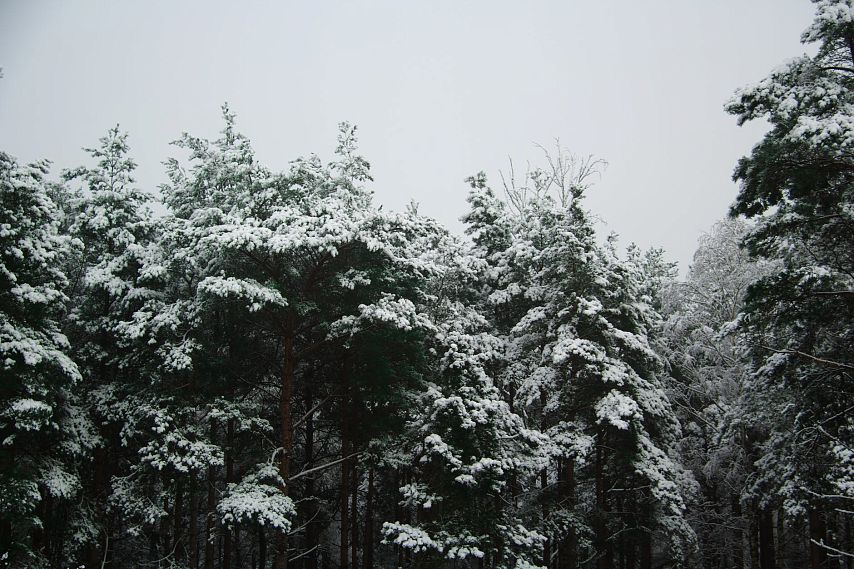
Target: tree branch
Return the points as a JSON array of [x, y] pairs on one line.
[[322, 467], [810, 357]]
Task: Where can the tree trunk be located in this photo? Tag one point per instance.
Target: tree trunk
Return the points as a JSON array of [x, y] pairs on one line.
[[818, 533], [311, 531], [738, 534], [179, 545], [766, 540], [238, 562], [344, 507], [368, 545], [630, 555], [547, 545], [646, 551], [566, 487], [209, 513], [94, 555], [603, 545], [194, 525], [346, 446], [398, 511], [354, 512], [262, 548], [163, 533], [754, 538], [229, 477], [287, 386]]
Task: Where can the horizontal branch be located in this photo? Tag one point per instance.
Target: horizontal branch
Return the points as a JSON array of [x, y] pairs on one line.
[[322, 467], [833, 549], [811, 357]]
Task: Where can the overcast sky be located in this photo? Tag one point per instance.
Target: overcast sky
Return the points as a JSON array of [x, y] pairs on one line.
[[439, 90]]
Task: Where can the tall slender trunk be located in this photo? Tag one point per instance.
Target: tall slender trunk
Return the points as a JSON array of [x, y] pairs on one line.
[[94, 555], [238, 561], [163, 533], [209, 511], [368, 542], [311, 531], [754, 537], [818, 533], [603, 545], [287, 387], [262, 548], [398, 511], [229, 477], [566, 488], [631, 554], [179, 545], [738, 534], [346, 446], [547, 545], [354, 513], [766, 540], [344, 507], [194, 525], [646, 551]]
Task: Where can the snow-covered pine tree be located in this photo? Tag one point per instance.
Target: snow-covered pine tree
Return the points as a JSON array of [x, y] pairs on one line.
[[40, 439], [798, 183], [110, 222], [319, 279], [581, 369], [465, 447], [708, 368]]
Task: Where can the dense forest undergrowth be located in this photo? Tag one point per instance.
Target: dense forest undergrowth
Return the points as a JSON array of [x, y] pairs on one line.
[[279, 373]]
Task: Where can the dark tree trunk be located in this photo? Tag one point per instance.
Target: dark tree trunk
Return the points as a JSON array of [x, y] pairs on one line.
[[566, 487], [229, 477], [646, 551], [344, 550], [754, 538], [547, 545], [368, 545], [209, 514], [398, 512], [354, 512], [262, 548], [738, 534], [818, 533], [603, 545], [631, 553], [194, 525], [94, 556], [344, 507], [312, 529], [766, 540], [287, 386], [163, 533], [238, 561], [179, 545]]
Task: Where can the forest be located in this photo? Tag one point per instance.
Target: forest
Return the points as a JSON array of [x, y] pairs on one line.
[[248, 368]]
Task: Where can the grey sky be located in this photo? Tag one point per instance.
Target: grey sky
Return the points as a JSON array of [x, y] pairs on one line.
[[439, 89]]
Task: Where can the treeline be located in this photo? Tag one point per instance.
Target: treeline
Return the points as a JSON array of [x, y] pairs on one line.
[[279, 373]]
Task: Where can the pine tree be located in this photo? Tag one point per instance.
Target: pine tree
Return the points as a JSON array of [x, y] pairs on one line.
[[709, 368], [797, 183], [41, 437], [579, 367]]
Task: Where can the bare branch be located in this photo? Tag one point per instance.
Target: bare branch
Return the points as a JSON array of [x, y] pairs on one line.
[[322, 467], [811, 357]]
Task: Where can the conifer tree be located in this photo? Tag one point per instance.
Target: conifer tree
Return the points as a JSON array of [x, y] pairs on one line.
[[42, 438], [797, 184]]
